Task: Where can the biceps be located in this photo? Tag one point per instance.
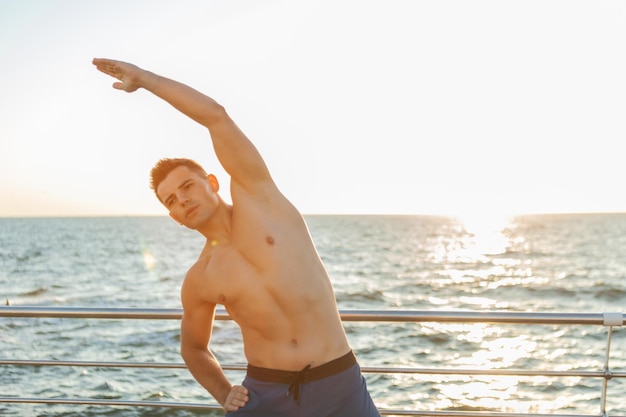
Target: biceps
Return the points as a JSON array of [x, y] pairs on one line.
[[195, 330], [237, 154]]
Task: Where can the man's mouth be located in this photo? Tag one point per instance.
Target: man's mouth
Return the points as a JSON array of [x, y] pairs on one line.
[[190, 211]]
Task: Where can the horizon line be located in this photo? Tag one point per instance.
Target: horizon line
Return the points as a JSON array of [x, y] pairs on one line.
[[425, 214]]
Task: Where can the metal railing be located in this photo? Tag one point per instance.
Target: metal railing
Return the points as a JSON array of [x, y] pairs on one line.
[[609, 320]]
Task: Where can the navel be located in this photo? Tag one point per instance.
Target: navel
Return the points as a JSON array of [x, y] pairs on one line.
[[269, 240], [221, 298], [294, 343]]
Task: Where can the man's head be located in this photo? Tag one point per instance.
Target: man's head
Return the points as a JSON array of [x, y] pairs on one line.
[[186, 190], [164, 166]]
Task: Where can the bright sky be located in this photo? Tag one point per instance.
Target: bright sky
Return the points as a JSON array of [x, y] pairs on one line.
[[425, 107]]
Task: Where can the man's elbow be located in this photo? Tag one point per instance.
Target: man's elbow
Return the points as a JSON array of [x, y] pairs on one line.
[[191, 352], [187, 352], [215, 114], [184, 353]]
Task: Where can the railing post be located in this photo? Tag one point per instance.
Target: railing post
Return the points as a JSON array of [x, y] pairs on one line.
[[610, 320]]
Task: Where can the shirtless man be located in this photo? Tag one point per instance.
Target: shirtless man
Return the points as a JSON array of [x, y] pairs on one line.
[[260, 263]]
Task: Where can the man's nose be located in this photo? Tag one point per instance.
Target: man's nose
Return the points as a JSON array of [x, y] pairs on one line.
[[183, 199]]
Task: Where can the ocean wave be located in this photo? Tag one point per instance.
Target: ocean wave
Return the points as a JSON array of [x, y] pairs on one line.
[[611, 294], [34, 293]]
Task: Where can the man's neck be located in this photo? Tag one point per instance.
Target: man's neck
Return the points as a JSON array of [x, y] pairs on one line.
[[218, 229]]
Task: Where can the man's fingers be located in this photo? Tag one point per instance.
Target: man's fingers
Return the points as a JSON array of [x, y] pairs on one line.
[[235, 405], [107, 66], [237, 398], [240, 389]]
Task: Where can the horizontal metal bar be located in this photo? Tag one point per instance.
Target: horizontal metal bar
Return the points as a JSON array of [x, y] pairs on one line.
[[346, 315], [97, 364], [196, 406], [22, 400], [476, 414], [365, 369], [494, 372], [474, 317], [97, 313]]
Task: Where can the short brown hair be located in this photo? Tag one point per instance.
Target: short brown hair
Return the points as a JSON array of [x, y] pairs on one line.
[[163, 167]]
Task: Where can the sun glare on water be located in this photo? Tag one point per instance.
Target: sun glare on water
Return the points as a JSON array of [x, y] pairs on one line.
[[497, 349], [481, 241], [487, 228], [480, 234]]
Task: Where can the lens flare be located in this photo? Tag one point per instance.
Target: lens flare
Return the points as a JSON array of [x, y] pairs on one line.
[[148, 260]]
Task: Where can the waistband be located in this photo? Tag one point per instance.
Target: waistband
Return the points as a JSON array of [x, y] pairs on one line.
[[307, 374]]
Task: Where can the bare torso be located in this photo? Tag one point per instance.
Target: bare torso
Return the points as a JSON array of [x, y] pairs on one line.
[[270, 279]]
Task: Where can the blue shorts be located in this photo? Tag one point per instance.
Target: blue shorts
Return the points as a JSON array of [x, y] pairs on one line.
[[340, 394]]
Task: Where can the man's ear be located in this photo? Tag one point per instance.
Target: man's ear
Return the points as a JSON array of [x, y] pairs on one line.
[[212, 180]]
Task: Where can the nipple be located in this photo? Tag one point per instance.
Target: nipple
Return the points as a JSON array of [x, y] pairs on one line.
[[269, 240]]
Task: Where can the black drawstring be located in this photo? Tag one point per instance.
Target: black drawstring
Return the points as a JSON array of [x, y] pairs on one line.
[[297, 380]]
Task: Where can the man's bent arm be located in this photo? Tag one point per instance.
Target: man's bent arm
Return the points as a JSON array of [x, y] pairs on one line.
[[204, 366], [235, 151]]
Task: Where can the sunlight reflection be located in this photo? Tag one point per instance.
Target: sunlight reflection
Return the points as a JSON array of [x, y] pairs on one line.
[[486, 234], [478, 237], [480, 223], [503, 394], [493, 350], [486, 393], [503, 352]]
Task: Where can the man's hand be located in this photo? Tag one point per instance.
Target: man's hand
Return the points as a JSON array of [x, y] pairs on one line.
[[129, 75], [236, 398]]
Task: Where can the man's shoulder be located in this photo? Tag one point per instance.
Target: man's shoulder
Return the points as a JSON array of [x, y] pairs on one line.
[[194, 276], [205, 279], [198, 269]]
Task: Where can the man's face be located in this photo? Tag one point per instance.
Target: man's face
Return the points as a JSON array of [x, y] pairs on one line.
[[190, 198]]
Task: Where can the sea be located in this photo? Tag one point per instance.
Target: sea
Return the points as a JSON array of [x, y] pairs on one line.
[[557, 263]]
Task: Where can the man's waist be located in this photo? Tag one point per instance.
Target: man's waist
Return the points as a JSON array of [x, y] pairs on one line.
[[305, 375]]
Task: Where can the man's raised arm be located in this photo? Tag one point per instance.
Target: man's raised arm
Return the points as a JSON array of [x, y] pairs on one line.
[[235, 151]]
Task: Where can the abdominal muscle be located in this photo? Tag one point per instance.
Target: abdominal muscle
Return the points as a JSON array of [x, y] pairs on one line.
[[289, 330], [293, 350]]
